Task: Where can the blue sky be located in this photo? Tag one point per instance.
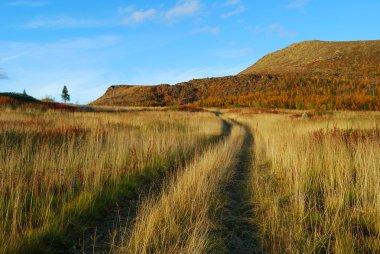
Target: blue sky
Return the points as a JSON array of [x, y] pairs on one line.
[[89, 45]]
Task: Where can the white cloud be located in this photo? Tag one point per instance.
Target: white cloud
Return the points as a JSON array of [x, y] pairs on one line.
[[61, 22], [29, 3], [235, 12], [183, 8], [297, 4], [208, 30], [140, 16], [231, 2]]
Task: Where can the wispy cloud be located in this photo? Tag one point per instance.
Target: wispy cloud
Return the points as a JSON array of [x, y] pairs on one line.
[[297, 4], [29, 3], [12, 56], [2, 75], [17, 50], [140, 16], [208, 30], [234, 12], [182, 9], [62, 22], [231, 2]]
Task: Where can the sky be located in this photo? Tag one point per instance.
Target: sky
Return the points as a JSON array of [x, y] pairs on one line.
[[89, 45]]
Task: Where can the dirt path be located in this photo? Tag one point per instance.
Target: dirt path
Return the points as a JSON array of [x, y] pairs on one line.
[[238, 231], [98, 236], [101, 233]]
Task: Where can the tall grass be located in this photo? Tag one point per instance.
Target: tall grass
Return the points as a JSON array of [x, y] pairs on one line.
[[316, 182], [56, 165], [180, 219]]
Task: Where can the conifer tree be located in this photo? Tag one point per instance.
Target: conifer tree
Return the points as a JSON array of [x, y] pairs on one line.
[[65, 94]]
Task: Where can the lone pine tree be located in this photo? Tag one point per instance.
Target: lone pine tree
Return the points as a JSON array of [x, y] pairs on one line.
[[65, 94]]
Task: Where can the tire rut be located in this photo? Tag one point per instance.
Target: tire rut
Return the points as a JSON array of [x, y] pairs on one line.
[[238, 231], [98, 236], [101, 234]]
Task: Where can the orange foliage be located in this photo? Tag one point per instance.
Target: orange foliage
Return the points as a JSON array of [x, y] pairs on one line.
[[304, 93], [290, 91]]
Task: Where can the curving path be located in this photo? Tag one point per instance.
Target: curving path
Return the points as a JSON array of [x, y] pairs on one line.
[[99, 234]]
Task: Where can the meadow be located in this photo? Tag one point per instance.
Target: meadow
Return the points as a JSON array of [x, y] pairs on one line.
[[315, 182], [60, 168], [309, 185]]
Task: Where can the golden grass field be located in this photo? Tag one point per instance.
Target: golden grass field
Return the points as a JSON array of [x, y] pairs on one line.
[[316, 182], [56, 166], [313, 182]]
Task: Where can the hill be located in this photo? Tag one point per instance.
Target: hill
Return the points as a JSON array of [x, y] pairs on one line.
[[19, 100], [313, 74], [195, 90], [16, 98], [352, 59]]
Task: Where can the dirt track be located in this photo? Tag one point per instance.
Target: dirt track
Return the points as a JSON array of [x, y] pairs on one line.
[[100, 234], [237, 213]]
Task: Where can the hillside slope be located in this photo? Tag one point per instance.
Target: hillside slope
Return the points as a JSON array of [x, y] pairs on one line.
[[312, 74], [182, 93], [23, 101], [353, 58]]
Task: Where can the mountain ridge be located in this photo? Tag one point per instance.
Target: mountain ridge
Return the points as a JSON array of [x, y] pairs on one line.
[[333, 75]]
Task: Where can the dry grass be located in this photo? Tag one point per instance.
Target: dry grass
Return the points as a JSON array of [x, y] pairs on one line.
[[322, 57], [316, 182], [180, 219], [55, 166]]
